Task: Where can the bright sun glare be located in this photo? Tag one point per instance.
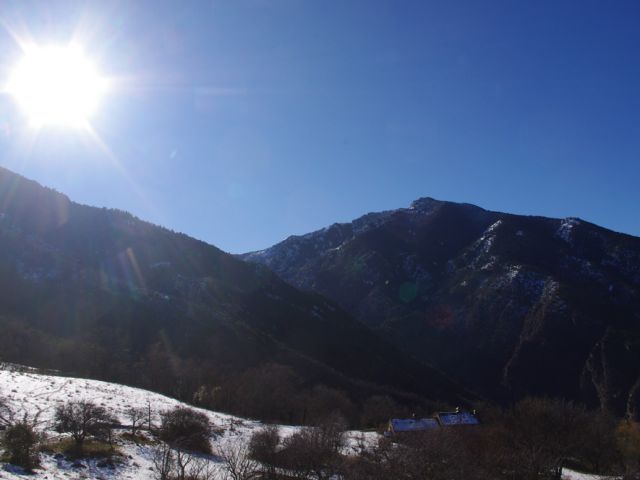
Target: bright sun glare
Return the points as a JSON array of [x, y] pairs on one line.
[[56, 86]]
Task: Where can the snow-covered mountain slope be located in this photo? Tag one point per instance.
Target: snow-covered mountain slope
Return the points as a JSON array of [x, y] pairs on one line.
[[33, 393]]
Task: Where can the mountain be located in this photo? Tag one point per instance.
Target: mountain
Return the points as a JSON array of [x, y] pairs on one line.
[[509, 305], [99, 293]]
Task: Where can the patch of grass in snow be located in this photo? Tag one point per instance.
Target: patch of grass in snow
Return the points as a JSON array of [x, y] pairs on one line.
[[138, 439], [90, 449]]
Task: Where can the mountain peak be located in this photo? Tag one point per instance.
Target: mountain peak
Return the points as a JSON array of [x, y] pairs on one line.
[[425, 203]]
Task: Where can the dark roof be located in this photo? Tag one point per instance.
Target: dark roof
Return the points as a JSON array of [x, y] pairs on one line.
[[412, 425], [457, 418]]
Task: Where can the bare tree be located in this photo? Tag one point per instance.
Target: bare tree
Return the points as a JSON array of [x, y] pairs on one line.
[[383, 461], [323, 402], [137, 416], [149, 416], [83, 419], [237, 462], [7, 416], [315, 451], [183, 464], [377, 410], [175, 464], [163, 462], [202, 469]]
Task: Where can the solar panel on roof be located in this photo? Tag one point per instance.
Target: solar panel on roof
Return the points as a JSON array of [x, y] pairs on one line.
[[410, 424], [460, 418]]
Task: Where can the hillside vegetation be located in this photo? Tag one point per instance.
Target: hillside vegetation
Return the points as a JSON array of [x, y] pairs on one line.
[[99, 293]]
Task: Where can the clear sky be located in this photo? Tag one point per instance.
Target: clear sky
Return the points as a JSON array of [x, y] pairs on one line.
[[241, 122]]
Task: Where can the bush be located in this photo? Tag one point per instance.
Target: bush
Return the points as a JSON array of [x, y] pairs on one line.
[[314, 452], [83, 419], [186, 429], [263, 447], [176, 464], [21, 440]]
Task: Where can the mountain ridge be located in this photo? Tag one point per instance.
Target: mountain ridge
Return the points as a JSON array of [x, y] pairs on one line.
[[486, 296], [421, 203], [99, 292]]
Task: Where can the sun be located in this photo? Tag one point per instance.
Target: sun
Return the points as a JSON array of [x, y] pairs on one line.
[[57, 86]]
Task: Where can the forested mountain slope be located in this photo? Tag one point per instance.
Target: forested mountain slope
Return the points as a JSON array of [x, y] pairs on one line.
[[100, 293], [510, 305]]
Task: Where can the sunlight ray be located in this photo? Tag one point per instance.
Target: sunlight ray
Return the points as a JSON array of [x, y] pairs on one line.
[[117, 165]]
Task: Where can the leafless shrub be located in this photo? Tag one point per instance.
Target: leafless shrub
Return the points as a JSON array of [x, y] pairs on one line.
[[163, 462], [83, 419], [20, 437], [314, 452], [136, 416], [377, 410], [7, 416], [21, 442], [149, 418], [237, 462], [202, 469], [385, 460], [175, 464]]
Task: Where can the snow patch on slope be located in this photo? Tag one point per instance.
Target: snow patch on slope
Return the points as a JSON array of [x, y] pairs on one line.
[[565, 230]]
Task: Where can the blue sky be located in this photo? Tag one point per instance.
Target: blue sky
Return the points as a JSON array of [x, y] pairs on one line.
[[242, 122]]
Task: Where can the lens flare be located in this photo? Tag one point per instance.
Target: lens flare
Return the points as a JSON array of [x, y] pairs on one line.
[[57, 86]]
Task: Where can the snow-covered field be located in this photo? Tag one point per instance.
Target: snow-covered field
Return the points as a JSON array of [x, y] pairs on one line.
[[33, 393]]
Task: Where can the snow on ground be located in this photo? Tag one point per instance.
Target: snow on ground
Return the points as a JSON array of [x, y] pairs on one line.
[[572, 475], [33, 393]]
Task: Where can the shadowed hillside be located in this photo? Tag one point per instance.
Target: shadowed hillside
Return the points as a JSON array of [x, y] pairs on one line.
[[511, 305], [100, 293]]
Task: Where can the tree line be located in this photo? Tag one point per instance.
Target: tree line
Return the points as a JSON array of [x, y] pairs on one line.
[[267, 391]]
